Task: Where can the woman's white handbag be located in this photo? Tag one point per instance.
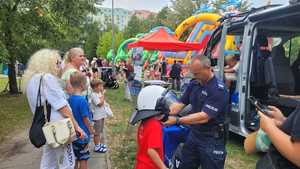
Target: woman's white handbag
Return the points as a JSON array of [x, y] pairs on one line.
[[59, 133]]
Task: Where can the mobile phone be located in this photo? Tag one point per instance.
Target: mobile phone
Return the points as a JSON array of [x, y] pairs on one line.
[[261, 107]]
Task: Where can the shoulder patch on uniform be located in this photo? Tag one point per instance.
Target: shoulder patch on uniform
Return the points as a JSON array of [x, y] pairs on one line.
[[221, 86]]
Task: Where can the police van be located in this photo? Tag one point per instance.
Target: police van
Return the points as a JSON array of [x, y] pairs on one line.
[[269, 61]]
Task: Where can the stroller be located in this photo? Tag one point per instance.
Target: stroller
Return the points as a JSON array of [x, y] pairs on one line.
[[108, 78]]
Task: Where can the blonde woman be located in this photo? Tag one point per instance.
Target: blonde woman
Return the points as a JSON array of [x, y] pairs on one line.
[[45, 64], [73, 61]]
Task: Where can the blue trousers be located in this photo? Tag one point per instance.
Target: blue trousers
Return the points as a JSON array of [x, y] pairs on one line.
[[209, 153]]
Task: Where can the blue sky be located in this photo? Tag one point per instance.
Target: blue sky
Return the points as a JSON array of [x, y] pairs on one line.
[[156, 5]]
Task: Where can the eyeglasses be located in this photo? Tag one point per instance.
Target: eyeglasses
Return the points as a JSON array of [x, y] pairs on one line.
[[58, 63], [82, 56]]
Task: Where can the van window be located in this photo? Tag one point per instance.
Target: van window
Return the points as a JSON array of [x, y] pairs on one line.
[[292, 49]]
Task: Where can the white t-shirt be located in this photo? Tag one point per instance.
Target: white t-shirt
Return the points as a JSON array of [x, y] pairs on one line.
[[98, 112], [51, 90]]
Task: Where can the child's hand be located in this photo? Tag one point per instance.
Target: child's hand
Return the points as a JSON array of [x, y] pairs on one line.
[[80, 133], [91, 130]]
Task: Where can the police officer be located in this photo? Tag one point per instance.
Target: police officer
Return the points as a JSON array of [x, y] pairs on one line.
[[205, 144]]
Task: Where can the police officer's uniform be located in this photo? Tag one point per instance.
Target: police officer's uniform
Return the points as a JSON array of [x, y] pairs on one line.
[[205, 145]]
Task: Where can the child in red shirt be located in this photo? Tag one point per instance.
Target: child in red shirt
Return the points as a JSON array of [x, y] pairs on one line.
[[150, 146], [152, 108]]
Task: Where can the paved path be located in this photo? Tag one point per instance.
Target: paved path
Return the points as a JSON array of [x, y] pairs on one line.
[[18, 153]]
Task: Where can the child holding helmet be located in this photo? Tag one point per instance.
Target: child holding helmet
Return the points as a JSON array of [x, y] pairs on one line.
[[149, 135]]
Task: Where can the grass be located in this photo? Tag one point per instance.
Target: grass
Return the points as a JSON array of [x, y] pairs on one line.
[[236, 157], [3, 82], [14, 112], [121, 138]]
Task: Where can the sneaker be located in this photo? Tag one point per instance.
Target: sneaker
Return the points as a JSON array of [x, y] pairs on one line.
[[97, 147], [101, 150], [103, 145]]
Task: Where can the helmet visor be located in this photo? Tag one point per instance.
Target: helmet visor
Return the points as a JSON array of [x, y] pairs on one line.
[[142, 115], [167, 99]]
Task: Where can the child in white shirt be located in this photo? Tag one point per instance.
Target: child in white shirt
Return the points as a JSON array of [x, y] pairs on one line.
[[97, 108]]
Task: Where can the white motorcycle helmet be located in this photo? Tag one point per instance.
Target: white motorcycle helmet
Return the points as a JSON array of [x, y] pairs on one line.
[[152, 100]]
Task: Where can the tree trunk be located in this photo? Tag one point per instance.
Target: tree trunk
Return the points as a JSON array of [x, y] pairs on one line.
[[13, 86], [10, 46], [12, 79]]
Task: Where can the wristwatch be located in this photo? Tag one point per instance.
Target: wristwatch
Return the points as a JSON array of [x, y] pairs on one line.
[[177, 120]]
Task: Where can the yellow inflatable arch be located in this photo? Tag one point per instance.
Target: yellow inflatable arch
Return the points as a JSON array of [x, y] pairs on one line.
[[193, 20], [211, 23]]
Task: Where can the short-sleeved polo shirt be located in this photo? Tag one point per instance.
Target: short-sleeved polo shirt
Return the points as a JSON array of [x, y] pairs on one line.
[[210, 98]]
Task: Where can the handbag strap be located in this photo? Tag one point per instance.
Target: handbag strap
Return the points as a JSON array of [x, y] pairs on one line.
[[39, 97], [69, 125], [47, 112]]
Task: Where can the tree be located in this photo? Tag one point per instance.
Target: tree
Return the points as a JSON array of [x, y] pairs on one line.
[[165, 17], [105, 42], [134, 26], [91, 42], [182, 9], [147, 24], [26, 26]]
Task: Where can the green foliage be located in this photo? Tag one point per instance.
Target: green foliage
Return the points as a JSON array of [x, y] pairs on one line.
[[92, 37], [105, 42], [292, 49], [39, 24], [171, 16], [182, 9], [26, 26], [165, 17], [134, 27], [3, 53]]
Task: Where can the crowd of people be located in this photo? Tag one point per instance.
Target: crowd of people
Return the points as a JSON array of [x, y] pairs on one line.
[[73, 88], [74, 92]]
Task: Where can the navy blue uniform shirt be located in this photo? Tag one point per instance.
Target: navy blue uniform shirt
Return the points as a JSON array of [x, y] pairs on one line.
[[210, 98]]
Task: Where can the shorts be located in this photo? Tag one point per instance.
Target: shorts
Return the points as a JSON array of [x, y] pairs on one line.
[[98, 126], [81, 151]]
